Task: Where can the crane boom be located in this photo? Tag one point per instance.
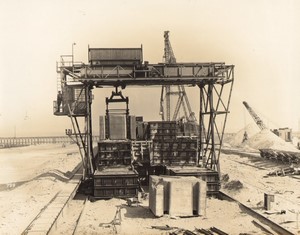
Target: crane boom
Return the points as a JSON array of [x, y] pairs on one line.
[[169, 58], [256, 118]]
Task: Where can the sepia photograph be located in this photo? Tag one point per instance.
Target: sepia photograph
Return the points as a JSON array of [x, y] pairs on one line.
[[152, 117]]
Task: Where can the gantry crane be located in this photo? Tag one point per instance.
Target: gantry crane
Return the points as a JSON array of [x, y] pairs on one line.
[[77, 80], [169, 58]]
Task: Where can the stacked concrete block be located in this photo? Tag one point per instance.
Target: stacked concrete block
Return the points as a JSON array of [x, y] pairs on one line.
[[177, 195]]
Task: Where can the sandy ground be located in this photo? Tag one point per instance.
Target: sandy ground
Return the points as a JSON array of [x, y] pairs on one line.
[[255, 183], [96, 218], [30, 177]]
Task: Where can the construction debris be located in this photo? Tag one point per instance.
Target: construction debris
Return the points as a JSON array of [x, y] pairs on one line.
[[285, 171], [280, 155], [132, 202], [204, 231], [218, 231], [188, 232], [225, 178], [234, 185], [282, 212], [177, 232], [182, 231], [166, 227]]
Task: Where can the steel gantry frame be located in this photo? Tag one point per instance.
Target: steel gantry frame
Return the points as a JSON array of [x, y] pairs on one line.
[[214, 107], [215, 82], [83, 139]]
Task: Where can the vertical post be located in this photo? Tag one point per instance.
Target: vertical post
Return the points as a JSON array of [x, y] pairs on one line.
[[73, 44], [128, 121], [162, 104], [106, 118], [88, 123], [168, 102], [200, 147], [202, 129], [212, 125]]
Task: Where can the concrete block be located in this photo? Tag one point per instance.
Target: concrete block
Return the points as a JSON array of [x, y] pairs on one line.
[[158, 201], [156, 195], [199, 189], [201, 202], [180, 198], [117, 127], [177, 195]]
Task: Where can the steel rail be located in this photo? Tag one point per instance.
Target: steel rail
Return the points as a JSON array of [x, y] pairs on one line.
[[71, 196], [26, 230], [79, 217], [276, 227], [57, 195]]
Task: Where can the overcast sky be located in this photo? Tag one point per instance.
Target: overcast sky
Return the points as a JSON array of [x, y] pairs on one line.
[[261, 38]]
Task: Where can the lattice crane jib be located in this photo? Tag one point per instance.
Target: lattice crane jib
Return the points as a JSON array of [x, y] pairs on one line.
[[178, 91], [169, 57], [259, 122]]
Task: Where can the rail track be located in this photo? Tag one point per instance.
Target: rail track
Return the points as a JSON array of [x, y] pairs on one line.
[[259, 220], [45, 222], [274, 226], [77, 222], [284, 188], [277, 156]]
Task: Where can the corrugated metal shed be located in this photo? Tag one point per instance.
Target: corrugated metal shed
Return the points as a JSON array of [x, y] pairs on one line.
[[112, 55]]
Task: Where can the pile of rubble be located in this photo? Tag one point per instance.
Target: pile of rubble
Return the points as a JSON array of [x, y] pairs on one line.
[[267, 139], [237, 139], [260, 139]]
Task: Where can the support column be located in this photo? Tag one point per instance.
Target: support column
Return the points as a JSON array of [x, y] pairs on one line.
[[88, 123], [168, 102], [212, 127]]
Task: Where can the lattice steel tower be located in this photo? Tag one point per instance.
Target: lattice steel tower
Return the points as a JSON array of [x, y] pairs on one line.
[[166, 92]]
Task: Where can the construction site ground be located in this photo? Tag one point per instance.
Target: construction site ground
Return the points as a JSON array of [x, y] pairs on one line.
[[246, 180], [31, 176]]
